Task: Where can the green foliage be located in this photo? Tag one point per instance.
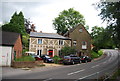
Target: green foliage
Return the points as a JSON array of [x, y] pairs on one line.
[[56, 59], [110, 12], [67, 50], [116, 74], [25, 39], [67, 19], [16, 24], [96, 54], [101, 38], [25, 58]]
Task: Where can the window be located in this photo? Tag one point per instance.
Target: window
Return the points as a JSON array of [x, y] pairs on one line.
[[84, 45], [59, 52], [74, 43], [61, 42], [39, 41], [80, 30]]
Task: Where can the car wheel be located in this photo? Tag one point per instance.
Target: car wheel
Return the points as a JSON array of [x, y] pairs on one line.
[[80, 62], [73, 62], [85, 61], [46, 61]]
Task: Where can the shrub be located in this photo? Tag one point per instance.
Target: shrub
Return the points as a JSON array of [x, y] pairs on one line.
[[56, 59], [25, 58], [96, 54], [67, 51]]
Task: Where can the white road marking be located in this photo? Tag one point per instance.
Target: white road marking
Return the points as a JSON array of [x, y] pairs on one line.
[[104, 62], [48, 79], [88, 76], [95, 66], [75, 72]]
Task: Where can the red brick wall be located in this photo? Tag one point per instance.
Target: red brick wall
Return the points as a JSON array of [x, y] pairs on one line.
[[18, 47]]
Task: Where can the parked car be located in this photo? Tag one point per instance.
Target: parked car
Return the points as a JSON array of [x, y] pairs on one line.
[[71, 59], [47, 59], [85, 59], [37, 58]]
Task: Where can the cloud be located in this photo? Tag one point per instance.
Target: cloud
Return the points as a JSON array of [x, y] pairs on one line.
[[42, 12]]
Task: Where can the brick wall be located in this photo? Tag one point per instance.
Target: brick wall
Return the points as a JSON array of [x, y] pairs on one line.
[[18, 47], [24, 64]]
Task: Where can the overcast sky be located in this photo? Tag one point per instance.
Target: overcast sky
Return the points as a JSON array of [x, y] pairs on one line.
[[42, 12]]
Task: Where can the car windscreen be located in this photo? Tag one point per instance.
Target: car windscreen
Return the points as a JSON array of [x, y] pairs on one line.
[[66, 57], [47, 56]]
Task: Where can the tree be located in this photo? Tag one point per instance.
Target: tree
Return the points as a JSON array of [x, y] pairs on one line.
[[110, 12], [66, 20], [29, 26], [67, 51], [16, 24], [101, 38]]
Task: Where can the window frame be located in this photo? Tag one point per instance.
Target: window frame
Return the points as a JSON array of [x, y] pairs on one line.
[[74, 44], [61, 42], [41, 41]]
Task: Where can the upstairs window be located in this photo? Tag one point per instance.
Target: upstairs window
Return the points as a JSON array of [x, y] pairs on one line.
[[84, 45], [74, 43], [61, 42], [80, 30], [39, 41]]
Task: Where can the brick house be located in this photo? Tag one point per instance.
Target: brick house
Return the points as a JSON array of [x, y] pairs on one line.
[[81, 39], [47, 43], [11, 46]]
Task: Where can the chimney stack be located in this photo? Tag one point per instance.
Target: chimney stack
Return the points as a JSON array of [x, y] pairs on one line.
[[40, 31]]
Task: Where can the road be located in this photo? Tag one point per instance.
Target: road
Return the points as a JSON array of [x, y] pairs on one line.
[[78, 72]]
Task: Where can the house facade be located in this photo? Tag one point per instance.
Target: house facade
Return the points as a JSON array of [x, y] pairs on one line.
[[81, 40], [11, 46], [47, 43]]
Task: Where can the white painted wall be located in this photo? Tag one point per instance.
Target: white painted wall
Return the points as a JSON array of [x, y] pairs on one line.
[[6, 55]]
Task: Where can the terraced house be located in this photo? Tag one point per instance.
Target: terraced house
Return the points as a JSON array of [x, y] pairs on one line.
[[47, 43]]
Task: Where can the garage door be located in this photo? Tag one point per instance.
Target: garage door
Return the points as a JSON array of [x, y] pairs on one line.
[[6, 56]]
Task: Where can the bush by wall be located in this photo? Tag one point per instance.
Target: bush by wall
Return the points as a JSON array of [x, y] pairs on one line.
[[57, 59], [25, 58]]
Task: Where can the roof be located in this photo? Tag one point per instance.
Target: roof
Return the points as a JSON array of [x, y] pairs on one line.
[[9, 38], [47, 35], [72, 29]]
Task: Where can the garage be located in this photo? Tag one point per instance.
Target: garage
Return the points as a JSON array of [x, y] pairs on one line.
[[6, 55], [11, 48]]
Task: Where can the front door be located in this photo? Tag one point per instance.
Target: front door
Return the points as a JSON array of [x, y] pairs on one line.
[[50, 53], [39, 52]]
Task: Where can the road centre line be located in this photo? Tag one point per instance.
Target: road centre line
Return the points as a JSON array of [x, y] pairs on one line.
[[87, 76], [48, 79], [76, 72], [95, 66]]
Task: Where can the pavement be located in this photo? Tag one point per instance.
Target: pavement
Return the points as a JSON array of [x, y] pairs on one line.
[[8, 71]]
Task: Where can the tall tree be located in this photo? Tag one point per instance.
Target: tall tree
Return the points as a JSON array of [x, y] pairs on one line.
[[67, 19], [101, 38], [110, 12], [16, 24]]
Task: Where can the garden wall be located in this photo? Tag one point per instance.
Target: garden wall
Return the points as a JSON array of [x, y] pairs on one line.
[[24, 64]]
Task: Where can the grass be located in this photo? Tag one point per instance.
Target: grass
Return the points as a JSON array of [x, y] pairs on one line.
[[25, 58], [96, 54], [117, 73]]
